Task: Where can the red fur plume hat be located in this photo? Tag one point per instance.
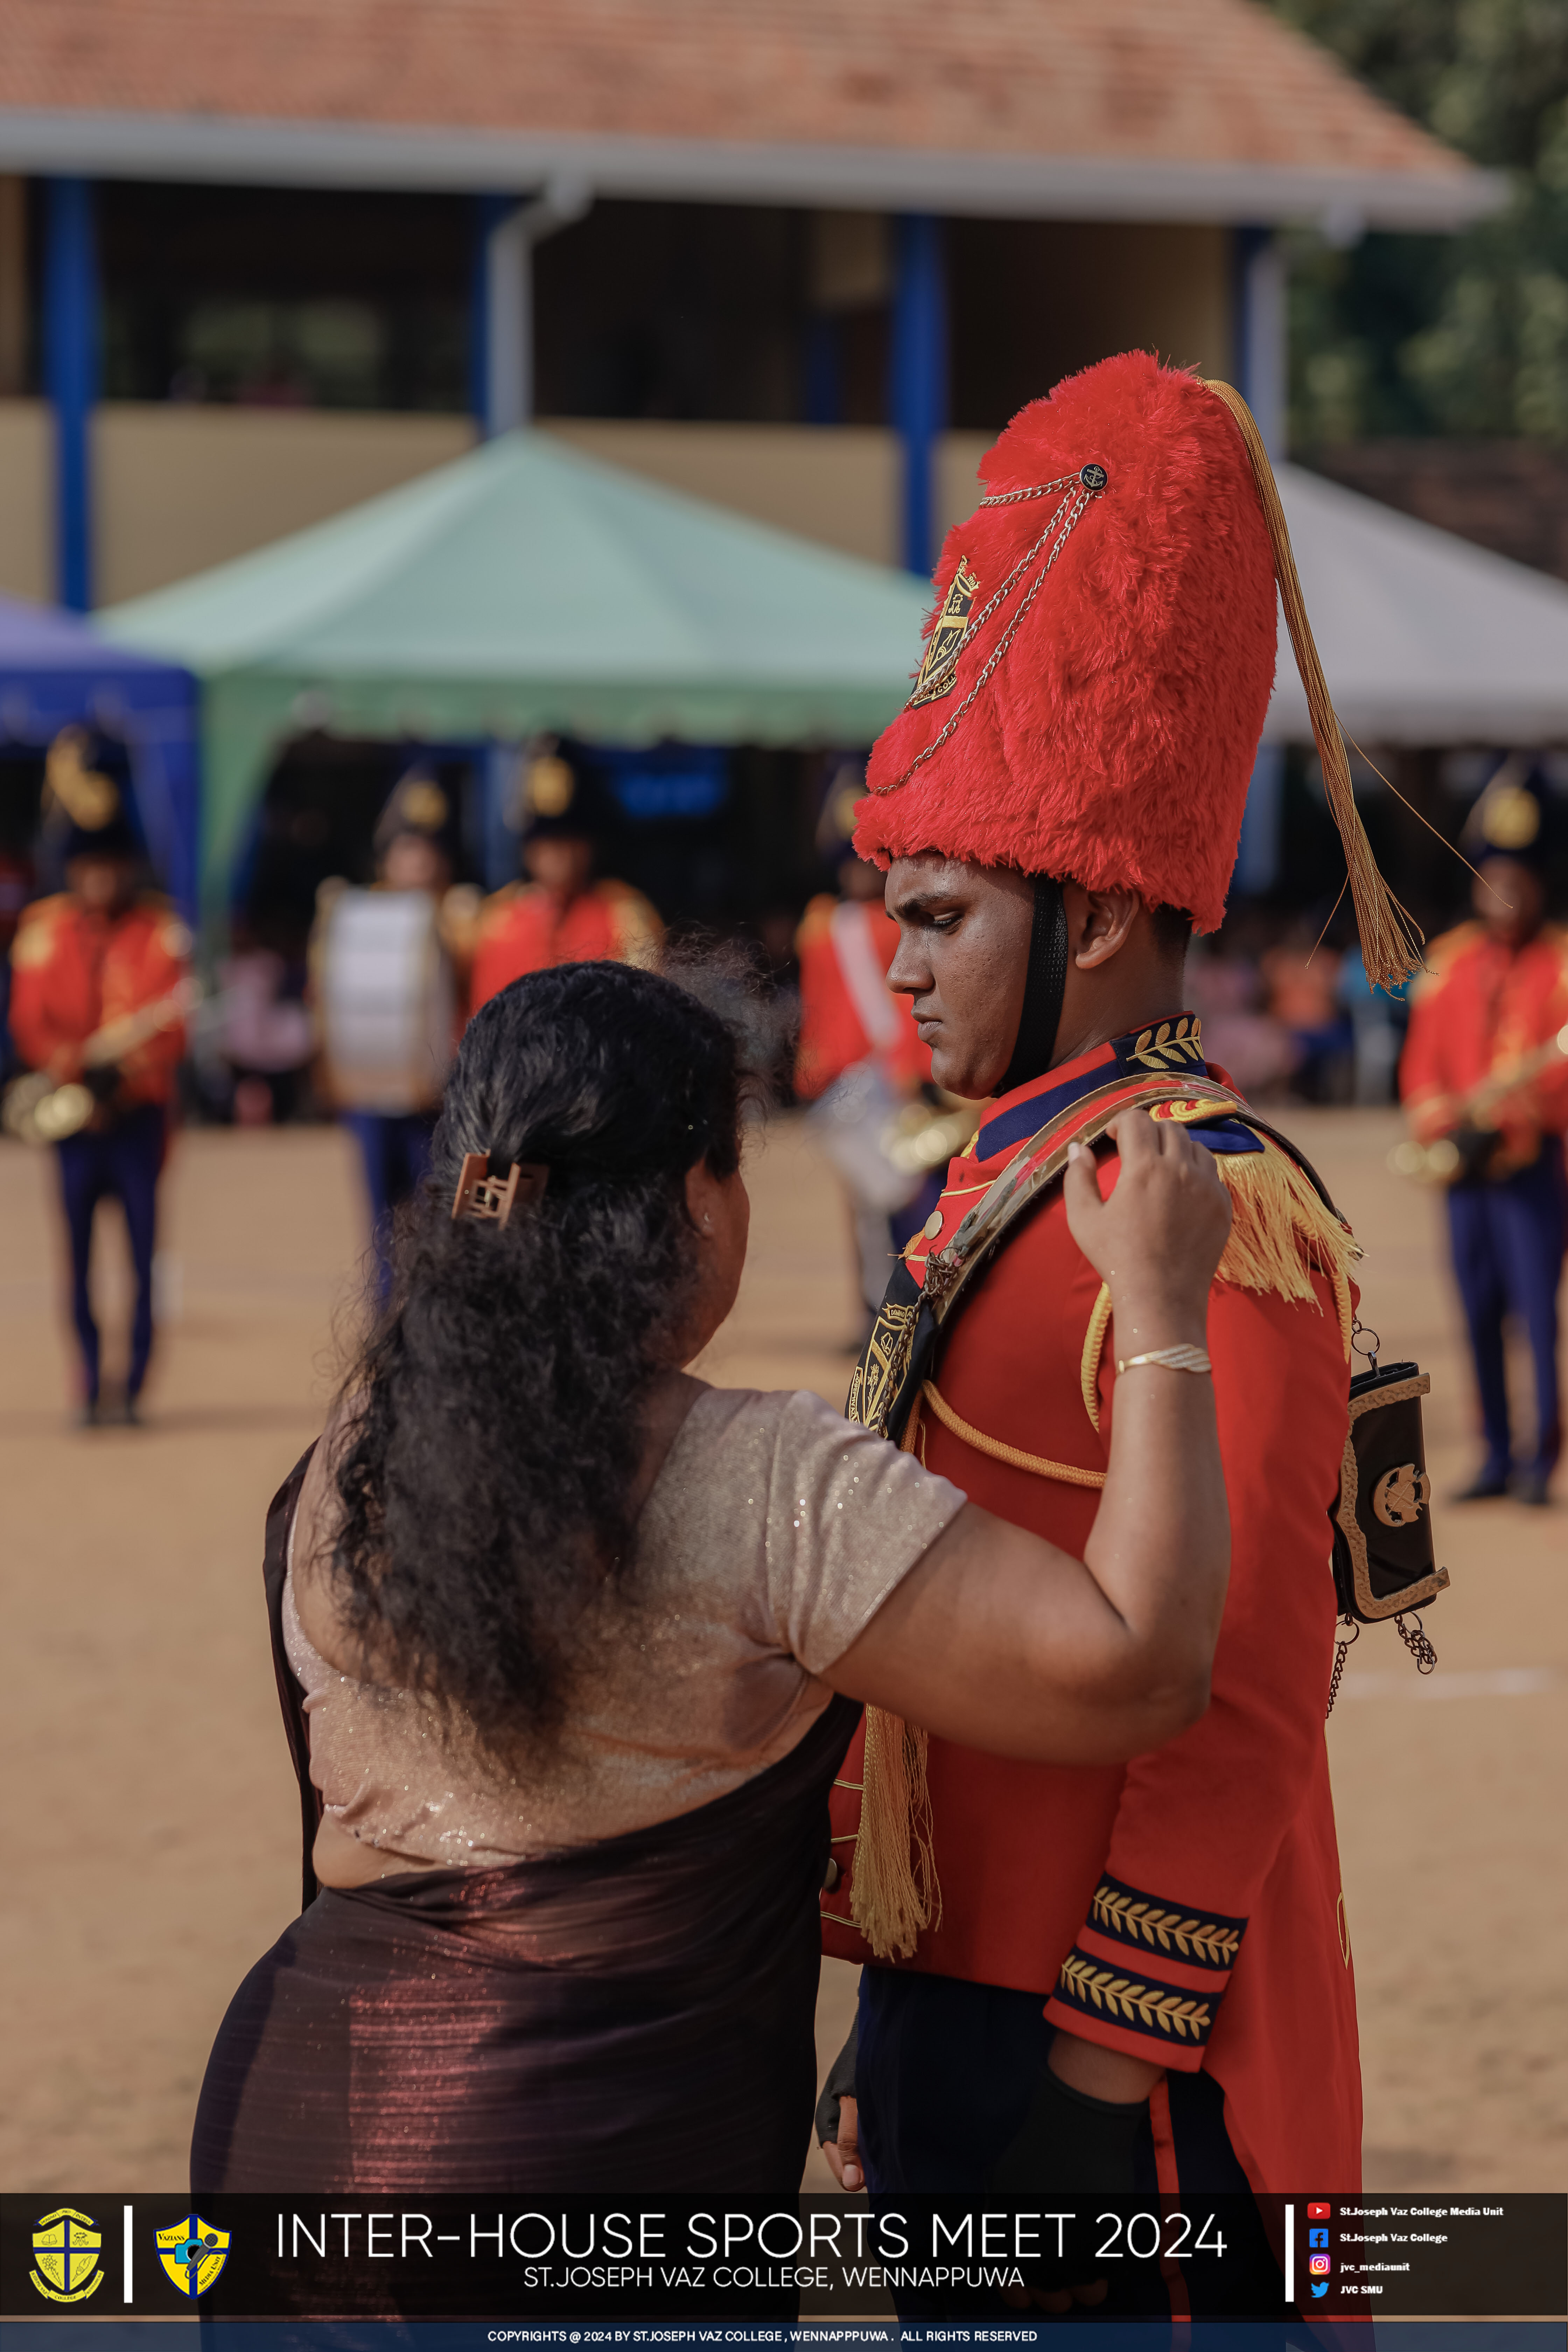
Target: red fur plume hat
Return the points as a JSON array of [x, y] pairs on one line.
[[1101, 654]]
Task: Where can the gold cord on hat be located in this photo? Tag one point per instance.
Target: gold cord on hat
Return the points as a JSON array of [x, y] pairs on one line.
[[1391, 939], [1077, 492]]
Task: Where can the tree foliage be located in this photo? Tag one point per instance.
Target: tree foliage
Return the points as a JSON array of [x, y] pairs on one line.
[[1464, 335]]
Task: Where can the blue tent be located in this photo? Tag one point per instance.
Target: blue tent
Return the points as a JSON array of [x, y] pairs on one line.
[[56, 670]]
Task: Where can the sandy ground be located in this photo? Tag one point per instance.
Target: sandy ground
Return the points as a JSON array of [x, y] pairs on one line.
[[150, 1828]]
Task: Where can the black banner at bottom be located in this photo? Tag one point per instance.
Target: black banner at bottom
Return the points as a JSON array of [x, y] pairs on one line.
[[631, 2264]]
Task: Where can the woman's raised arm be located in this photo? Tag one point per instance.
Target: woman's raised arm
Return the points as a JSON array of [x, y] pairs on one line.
[[998, 1640]]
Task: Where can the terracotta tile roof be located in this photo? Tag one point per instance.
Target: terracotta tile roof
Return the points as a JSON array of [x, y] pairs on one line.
[[1207, 82]]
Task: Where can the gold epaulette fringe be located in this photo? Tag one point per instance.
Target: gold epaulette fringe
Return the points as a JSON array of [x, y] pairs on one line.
[[1281, 1234], [895, 1896]]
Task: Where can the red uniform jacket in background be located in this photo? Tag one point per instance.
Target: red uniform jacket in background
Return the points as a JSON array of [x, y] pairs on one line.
[[72, 972], [525, 929], [1480, 1006], [1185, 1907], [833, 1034]]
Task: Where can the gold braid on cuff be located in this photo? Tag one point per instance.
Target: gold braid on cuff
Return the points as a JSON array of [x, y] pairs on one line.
[[1175, 1359]]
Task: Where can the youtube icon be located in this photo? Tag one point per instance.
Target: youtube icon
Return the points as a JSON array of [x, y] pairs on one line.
[[1318, 2212]]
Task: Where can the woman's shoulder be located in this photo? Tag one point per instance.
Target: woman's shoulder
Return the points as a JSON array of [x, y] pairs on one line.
[[801, 1447], [315, 1516], [724, 1417]]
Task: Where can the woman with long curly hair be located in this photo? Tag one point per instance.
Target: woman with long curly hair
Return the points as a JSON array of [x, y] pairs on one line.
[[570, 1644]]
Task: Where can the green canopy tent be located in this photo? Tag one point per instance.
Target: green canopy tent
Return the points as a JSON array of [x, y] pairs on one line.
[[524, 589]]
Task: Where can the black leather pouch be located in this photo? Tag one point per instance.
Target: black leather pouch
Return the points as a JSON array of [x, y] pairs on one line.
[[1384, 1561]]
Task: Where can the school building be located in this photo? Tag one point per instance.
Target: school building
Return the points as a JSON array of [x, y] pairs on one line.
[[258, 263]]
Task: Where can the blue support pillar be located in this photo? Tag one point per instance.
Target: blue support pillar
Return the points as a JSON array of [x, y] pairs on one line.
[[917, 377], [500, 819], [1258, 856], [488, 334], [824, 368], [70, 377], [1261, 359]]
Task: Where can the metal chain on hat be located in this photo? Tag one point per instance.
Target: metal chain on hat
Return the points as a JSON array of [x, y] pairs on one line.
[[1092, 476], [1343, 1643], [1019, 568], [977, 621], [1063, 532], [1034, 491]]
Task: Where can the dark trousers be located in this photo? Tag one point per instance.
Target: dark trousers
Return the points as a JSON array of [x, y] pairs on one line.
[[944, 2076], [394, 1146], [119, 1164], [1508, 1241]]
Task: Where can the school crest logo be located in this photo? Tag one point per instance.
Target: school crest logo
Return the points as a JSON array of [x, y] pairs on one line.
[[193, 2253], [939, 668], [65, 2246], [1401, 1495]]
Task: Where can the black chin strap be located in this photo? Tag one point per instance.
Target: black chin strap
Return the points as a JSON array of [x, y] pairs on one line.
[[1044, 987]]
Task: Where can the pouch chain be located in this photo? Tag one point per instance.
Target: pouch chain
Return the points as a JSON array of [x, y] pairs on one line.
[[1343, 1641]]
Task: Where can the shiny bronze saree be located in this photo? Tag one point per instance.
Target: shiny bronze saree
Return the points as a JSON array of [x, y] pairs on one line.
[[632, 2015]]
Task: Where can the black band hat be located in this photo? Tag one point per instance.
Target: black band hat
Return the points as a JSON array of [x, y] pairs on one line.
[[836, 818], [87, 807], [560, 799], [418, 805], [1514, 817]]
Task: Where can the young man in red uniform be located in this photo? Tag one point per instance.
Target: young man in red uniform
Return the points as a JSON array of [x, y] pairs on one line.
[[1491, 1004], [561, 914], [1135, 1978], [849, 1016], [99, 952]]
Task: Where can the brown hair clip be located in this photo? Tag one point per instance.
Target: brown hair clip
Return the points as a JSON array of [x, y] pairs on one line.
[[488, 1198]]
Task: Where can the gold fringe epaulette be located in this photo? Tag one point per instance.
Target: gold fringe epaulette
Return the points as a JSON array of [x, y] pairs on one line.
[[1281, 1234]]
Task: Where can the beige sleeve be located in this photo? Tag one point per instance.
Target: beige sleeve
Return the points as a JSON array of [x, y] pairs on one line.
[[848, 1516]]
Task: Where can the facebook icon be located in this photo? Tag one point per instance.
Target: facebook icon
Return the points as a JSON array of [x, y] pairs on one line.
[[1317, 2237]]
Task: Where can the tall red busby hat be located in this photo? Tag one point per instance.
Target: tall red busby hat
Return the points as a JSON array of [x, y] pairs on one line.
[[1101, 656]]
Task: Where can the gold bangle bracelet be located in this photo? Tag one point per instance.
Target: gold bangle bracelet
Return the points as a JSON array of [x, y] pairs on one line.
[[1175, 1359]]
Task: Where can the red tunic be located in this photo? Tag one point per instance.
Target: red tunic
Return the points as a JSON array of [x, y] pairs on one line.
[[524, 928], [1185, 1907], [833, 1034], [1482, 1006], [73, 972]]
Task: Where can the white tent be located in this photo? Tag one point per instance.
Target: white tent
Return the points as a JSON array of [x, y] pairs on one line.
[[1425, 639]]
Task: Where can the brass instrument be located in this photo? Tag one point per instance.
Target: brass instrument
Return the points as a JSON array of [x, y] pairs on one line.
[[923, 1136], [1470, 1145], [36, 1110]]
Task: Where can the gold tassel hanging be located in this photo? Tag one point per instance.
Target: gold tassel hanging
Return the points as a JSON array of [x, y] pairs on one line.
[[1390, 940], [1282, 1235], [895, 1895]]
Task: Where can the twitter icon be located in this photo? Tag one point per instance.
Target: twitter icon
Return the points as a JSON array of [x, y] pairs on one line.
[[1319, 2286]]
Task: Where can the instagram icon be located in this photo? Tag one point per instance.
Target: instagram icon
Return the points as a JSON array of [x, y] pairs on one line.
[[1319, 2265]]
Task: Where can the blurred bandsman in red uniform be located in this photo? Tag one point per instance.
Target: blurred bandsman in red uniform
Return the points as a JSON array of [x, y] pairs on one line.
[[388, 971], [561, 913], [857, 1037], [1483, 1081], [1135, 1978], [98, 994]]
